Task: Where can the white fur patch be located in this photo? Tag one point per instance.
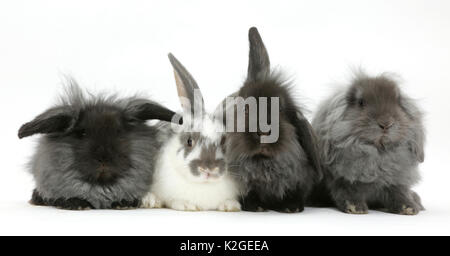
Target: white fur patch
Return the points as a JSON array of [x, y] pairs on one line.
[[212, 129], [151, 201]]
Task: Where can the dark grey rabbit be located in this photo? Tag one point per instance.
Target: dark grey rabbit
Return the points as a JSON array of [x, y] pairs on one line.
[[371, 140], [275, 176], [96, 152]]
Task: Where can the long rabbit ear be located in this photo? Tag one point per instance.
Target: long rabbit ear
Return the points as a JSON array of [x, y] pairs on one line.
[[144, 110], [188, 91], [55, 120], [259, 62]]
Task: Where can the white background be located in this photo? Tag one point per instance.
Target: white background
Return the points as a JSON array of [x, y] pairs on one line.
[[122, 46]]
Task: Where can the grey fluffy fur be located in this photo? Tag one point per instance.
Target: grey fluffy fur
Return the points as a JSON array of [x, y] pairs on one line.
[[51, 167], [365, 167], [59, 176], [277, 176], [273, 177]]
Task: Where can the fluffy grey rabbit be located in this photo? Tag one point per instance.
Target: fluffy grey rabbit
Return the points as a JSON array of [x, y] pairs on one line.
[[371, 139], [96, 152], [278, 175]]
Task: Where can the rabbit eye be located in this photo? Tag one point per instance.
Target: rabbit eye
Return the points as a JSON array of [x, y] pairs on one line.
[[190, 142], [361, 103], [222, 141], [81, 133]]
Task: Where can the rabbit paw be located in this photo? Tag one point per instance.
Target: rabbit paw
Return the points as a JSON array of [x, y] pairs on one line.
[[125, 204], [71, 204], [230, 206], [151, 201], [290, 207], [408, 210], [292, 210], [37, 199], [180, 205], [407, 207], [356, 208]]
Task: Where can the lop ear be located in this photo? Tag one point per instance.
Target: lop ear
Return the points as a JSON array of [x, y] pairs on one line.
[[144, 110], [259, 63], [308, 141], [419, 152], [417, 146], [417, 131], [55, 120], [188, 91]]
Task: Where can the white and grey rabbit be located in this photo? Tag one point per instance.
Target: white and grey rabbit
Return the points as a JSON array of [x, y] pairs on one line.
[[191, 172], [96, 151], [371, 139], [280, 175]]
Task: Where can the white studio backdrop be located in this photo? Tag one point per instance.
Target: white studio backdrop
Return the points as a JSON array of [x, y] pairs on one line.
[[122, 46]]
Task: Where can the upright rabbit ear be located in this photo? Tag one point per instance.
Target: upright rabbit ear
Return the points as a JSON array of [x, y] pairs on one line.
[[259, 62], [188, 91], [55, 120], [144, 110]]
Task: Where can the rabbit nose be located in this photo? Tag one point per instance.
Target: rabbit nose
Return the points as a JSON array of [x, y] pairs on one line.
[[385, 125], [208, 170], [102, 166]]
